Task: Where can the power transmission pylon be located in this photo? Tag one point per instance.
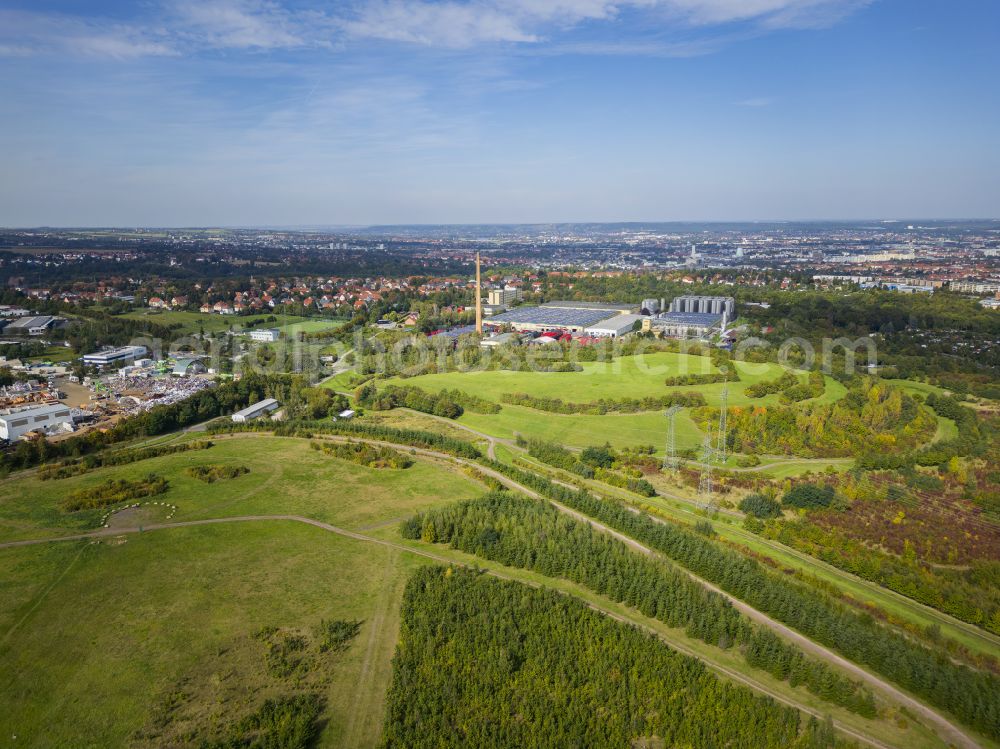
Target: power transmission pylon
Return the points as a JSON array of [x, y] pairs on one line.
[[723, 412], [670, 454], [705, 483]]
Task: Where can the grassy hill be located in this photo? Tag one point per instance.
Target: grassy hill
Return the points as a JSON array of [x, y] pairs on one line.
[[623, 377], [134, 639]]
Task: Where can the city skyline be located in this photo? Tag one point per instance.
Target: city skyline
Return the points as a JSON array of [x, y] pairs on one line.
[[538, 111]]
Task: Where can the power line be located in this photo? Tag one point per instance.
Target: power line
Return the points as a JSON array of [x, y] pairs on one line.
[[670, 454]]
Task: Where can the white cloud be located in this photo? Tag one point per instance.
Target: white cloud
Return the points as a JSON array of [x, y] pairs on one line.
[[242, 24], [191, 25], [465, 23], [448, 24], [770, 13], [26, 33]]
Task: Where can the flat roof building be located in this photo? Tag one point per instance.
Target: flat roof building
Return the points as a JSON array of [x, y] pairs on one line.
[[571, 317], [257, 410], [115, 355], [36, 325], [615, 327], [503, 297], [15, 424], [683, 324]]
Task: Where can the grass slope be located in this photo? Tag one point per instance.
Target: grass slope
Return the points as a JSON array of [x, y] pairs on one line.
[[285, 477], [623, 377], [95, 637]]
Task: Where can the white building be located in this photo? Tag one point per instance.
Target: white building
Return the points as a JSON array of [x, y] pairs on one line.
[[250, 413], [16, 423], [614, 327], [114, 356], [267, 335], [975, 287]]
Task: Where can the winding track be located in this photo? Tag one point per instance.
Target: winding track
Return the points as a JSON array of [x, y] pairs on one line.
[[952, 731], [929, 611], [734, 675]]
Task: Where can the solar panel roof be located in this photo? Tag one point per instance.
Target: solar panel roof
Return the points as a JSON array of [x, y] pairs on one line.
[[555, 316]]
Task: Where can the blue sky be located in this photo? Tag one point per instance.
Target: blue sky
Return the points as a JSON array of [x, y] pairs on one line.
[[294, 112]]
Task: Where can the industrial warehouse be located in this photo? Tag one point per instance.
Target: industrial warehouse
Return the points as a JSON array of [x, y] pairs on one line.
[[687, 317]]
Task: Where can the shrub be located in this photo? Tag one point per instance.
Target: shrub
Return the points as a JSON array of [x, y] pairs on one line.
[[363, 454], [808, 496], [336, 636], [113, 491], [760, 506], [215, 472]]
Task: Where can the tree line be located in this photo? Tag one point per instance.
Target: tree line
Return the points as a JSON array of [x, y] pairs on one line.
[[604, 405]]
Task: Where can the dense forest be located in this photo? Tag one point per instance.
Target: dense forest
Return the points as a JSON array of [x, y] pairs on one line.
[[520, 532], [971, 695], [488, 663]]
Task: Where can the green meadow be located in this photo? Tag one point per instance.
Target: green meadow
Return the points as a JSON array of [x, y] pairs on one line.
[[286, 476], [100, 641], [136, 639], [622, 377]]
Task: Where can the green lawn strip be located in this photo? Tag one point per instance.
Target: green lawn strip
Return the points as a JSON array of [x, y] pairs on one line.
[[868, 593], [793, 468], [192, 322], [130, 621], [621, 430], [725, 662]]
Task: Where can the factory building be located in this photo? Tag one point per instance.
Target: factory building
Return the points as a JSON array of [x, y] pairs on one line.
[[683, 324], [16, 423], [616, 327], [34, 326], [111, 356], [705, 305], [562, 317], [257, 410]]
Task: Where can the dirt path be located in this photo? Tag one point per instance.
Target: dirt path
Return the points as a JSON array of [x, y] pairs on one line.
[[369, 706], [952, 732], [394, 547], [691, 505]]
